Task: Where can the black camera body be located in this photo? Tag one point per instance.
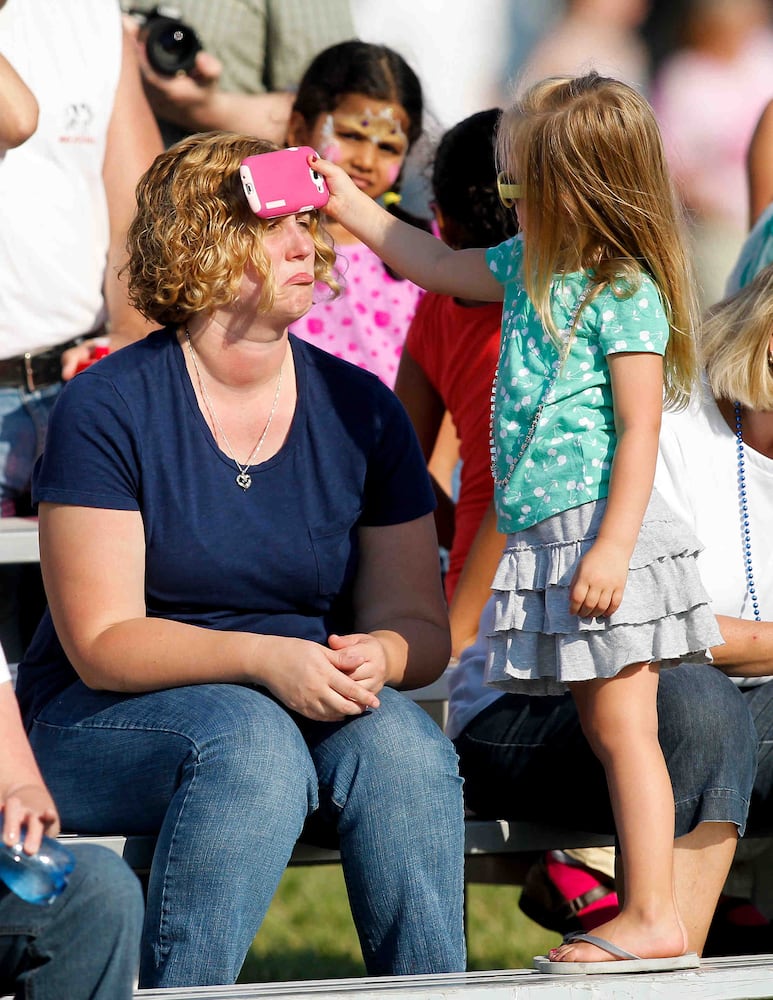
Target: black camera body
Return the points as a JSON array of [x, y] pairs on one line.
[[171, 45]]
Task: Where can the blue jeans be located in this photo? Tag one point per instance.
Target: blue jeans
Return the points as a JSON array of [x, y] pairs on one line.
[[23, 424], [525, 757], [759, 701], [85, 945], [227, 777]]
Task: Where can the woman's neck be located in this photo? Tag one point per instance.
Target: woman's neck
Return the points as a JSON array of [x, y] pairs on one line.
[[239, 362], [756, 426]]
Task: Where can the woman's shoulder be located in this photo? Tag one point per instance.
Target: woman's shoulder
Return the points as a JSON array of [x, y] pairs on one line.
[[341, 398], [131, 371], [700, 419], [147, 350]]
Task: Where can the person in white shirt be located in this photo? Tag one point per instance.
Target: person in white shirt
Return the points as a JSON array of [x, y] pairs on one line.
[[715, 470], [75, 147]]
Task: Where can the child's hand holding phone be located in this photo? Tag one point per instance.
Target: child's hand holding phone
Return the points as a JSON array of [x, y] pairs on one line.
[[283, 182]]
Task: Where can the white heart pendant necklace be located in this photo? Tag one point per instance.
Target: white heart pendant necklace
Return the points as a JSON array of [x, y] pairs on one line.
[[243, 478]]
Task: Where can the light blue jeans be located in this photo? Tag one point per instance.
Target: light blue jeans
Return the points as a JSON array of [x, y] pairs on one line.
[[227, 778], [85, 945]]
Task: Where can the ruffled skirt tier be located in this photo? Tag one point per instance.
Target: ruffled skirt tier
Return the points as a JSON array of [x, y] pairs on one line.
[[537, 646]]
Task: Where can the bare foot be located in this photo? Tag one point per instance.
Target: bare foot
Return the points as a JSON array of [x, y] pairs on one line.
[[664, 938]]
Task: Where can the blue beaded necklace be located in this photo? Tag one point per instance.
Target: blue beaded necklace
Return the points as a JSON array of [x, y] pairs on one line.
[[746, 539]]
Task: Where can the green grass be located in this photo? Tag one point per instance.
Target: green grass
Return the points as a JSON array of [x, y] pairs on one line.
[[308, 932]]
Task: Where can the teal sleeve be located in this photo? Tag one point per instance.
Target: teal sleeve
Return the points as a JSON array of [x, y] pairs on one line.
[[504, 261], [635, 322]]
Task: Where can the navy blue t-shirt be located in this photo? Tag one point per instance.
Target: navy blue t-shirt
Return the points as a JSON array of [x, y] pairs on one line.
[[279, 558]]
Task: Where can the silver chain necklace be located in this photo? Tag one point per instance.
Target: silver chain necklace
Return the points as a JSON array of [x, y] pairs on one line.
[[547, 395], [243, 479]]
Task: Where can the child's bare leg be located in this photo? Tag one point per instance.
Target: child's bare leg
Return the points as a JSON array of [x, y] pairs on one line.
[[619, 719]]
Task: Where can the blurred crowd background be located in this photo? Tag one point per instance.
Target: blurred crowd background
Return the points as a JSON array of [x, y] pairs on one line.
[[706, 65]]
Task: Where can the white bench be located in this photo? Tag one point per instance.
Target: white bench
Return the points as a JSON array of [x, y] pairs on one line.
[[747, 978], [19, 540], [495, 850]]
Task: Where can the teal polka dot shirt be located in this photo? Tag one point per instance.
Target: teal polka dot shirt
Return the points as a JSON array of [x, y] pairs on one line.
[[568, 461]]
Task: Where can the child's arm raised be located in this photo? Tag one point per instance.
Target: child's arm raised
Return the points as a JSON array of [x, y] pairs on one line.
[[411, 252], [637, 392]]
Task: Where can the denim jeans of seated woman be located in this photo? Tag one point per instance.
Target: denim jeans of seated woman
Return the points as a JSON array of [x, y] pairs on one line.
[[227, 777], [85, 944]]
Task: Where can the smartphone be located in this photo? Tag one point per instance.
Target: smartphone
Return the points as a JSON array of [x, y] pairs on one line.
[[282, 182]]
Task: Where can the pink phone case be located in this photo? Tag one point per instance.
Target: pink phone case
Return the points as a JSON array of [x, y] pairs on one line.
[[282, 183]]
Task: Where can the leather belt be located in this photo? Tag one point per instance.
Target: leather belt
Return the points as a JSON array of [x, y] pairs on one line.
[[35, 371]]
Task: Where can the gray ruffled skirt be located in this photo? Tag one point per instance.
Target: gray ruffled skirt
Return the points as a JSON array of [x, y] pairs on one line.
[[537, 646]]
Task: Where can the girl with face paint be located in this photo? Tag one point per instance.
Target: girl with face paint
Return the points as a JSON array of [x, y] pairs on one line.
[[360, 105]]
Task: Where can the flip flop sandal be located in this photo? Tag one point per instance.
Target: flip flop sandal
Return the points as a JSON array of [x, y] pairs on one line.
[[625, 961]]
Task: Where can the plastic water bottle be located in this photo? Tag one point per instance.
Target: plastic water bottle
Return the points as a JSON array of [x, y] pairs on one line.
[[36, 878]]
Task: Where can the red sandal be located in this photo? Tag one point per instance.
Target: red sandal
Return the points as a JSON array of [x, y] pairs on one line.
[[563, 895]]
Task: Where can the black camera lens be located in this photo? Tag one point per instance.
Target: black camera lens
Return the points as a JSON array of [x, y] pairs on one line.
[[171, 46]]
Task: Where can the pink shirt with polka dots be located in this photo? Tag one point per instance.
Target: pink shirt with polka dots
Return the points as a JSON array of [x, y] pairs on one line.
[[368, 322]]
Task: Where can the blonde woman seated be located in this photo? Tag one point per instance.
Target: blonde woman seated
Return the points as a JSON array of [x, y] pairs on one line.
[[220, 505]]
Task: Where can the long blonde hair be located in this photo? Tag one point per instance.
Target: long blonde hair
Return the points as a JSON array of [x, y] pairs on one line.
[[734, 343], [599, 199], [194, 234]]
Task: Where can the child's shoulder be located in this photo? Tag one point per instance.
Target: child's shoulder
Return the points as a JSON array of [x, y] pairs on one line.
[[504, 260], [630, 316], [633, 290]]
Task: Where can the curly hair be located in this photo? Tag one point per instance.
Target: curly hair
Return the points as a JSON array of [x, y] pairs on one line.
[[599, 198], [194, 234]]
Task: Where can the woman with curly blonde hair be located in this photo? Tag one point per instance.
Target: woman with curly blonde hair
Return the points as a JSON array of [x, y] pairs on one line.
[[220, 505]]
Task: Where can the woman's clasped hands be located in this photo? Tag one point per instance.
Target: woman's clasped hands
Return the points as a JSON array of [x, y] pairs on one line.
[[328, 683]]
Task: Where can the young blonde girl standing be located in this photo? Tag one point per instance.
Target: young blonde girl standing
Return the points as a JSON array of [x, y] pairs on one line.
[[597, 587]]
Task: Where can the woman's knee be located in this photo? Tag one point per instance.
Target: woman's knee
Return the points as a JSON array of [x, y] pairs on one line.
[[398, 750], [240, 736], [403, 733], [106, 887], [119, 763], [698, 706], [710, 744]]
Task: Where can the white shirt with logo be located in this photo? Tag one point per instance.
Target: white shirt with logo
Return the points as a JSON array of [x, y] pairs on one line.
[[54, 228]]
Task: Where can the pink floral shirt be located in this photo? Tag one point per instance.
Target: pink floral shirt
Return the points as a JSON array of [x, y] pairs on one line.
[[368, 322]]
